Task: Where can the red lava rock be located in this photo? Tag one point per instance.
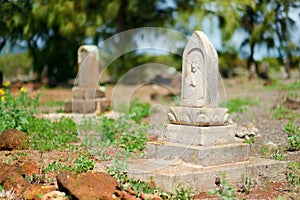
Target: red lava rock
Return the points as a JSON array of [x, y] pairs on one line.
[[4, 168], [11, 176], [33, 191], [14, 180], [28, 168], [54, 195], [86, 186], [12, 139], [123, 195]]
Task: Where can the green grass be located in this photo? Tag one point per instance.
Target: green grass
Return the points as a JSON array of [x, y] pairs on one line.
[[117, 169], [127, 132], [83, 163], [278, 85], [44, 135], [293, 174], [283, 113], [227, 191], [54, 104], [293, 132], [239, 105]]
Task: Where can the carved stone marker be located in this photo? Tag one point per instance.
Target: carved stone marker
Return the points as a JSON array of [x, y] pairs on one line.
[[200, 143], [200, 130], [88, 64], [87, 97], [199, 85]]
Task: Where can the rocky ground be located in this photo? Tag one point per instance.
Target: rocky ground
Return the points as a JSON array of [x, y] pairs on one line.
[[17, 165]]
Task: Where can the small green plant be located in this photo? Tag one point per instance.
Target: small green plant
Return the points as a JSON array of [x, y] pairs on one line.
[[265, 150], [225, 191], [16, 111], [293, 132], [239, 105], [181, 192], [18, 155], [53, 167], [293, 95], [278, 85], [123, 132], [45, 135], [249, 140], [138, 110], [247, 182], [283, 113], [82, 164], [293, 174], [277, 155], [291, 128]]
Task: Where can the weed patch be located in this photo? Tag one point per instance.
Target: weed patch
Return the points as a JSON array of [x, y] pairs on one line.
[[278, 85], [82, 164], [16, 111], [239, 105], [283, 113], [45, 135], [293, 132], [293, 174]]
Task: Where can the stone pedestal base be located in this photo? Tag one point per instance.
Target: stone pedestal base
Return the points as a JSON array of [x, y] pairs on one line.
[[167, 174], [84, 93], [197, 136], [87, 106], [199, 155], [198, 116]]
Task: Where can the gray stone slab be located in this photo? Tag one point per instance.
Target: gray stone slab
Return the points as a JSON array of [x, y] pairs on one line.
[[198, 136], [199, 155], [83, 106], [86, 93], [168, 174]]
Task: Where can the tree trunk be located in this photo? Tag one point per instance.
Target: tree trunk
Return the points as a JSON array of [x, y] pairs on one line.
[[121, 26], [287, 66], [251, 64]]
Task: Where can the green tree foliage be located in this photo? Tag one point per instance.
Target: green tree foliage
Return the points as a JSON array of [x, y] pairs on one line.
[[265, 22], [53, 30]]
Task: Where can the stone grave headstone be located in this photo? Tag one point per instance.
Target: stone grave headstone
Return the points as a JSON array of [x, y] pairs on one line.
[[87, 96], [199, 144]]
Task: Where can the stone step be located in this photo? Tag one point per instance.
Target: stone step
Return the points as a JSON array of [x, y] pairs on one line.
[[167, 174], [198, 136], [199, 155]]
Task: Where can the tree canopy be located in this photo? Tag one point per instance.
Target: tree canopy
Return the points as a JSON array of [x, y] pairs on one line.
[[53, 30]]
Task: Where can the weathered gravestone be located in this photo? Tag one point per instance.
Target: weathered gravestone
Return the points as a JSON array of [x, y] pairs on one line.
[[200, 143], [87, 97]]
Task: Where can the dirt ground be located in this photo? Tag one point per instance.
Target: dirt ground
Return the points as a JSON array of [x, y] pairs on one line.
[[271, 131]]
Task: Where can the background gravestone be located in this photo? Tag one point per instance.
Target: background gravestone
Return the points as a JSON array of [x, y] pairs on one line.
[[87, 96]]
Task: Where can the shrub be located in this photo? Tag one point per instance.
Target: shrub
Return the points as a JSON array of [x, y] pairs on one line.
[[16, 111]]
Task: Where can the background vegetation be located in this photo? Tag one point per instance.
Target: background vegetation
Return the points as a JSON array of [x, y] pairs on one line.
[[52, 31]]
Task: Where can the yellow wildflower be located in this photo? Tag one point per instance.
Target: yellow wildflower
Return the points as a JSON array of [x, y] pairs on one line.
[[22, 89], [2, 92], [6, 83], [3, 98]]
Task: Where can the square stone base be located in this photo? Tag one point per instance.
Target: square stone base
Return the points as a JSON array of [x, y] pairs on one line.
[[167, 174], [197, 136], [199, 155], [87, 106]]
